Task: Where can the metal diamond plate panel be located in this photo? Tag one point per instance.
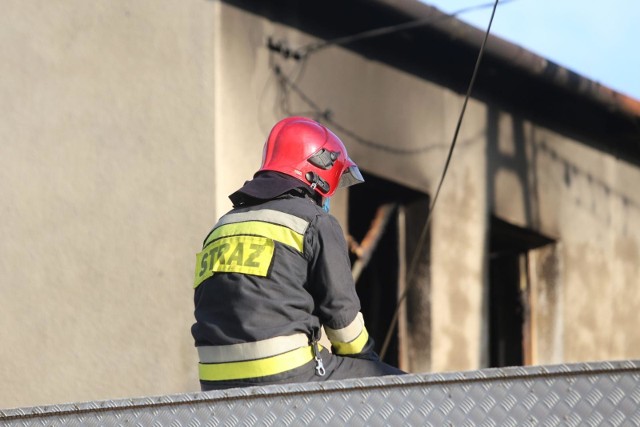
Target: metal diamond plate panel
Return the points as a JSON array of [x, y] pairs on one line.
[[586, 394]]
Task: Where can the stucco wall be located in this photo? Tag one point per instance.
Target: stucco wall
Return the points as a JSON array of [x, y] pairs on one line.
[[106, 182]]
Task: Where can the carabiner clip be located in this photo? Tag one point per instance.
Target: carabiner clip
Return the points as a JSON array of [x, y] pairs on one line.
[[320, 371], [320, 367]]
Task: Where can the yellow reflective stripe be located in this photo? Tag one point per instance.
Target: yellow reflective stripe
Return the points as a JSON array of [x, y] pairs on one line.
[[255, 368], [354, 346], [293, 222], [276, 232], [236, 254]]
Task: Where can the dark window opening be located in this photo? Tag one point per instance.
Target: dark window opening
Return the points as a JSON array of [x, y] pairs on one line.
[[375, 208], [509, 317]]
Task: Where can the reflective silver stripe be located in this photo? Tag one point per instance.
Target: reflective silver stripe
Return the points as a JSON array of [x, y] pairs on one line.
[[348, 333], [293, 222], [251, 350]]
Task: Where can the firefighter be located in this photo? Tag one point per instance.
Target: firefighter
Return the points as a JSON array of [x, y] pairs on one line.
[[275, 269]]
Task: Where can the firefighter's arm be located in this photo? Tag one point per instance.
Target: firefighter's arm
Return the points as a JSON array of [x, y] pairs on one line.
[[352, 340], [334, 293]]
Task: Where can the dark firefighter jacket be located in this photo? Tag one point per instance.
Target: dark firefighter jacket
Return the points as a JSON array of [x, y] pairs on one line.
[[270, 274]]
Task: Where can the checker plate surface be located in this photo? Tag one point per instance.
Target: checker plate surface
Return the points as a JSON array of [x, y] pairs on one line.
[[583, 394]]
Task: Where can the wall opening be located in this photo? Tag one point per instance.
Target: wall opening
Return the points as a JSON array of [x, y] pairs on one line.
[[385, 220], [510, 294]]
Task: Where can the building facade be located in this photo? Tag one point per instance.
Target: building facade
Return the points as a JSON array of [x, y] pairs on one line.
[[126, 125]]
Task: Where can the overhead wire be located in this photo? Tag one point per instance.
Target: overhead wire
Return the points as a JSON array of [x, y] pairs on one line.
[[423, 234], [325, 115], [286, 85], [306, 50]]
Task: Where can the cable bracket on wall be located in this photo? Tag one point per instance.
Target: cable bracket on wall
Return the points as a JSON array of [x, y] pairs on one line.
[[282, 47]]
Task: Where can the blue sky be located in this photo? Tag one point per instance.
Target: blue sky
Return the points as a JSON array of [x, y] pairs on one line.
[[597, 39]]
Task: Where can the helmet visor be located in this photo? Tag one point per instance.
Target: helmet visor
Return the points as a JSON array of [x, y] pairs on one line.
[[350, 176]]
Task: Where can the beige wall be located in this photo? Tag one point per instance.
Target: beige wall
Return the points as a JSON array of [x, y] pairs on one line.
[[106, 130], [111, 115]]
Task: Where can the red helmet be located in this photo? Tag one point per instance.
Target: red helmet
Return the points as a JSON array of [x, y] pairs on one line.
[[306, 150]]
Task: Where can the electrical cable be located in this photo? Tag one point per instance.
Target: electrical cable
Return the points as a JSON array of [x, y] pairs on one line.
[[378, 146], [423, 234], [325, 116], [286, 84], [305, 51]]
